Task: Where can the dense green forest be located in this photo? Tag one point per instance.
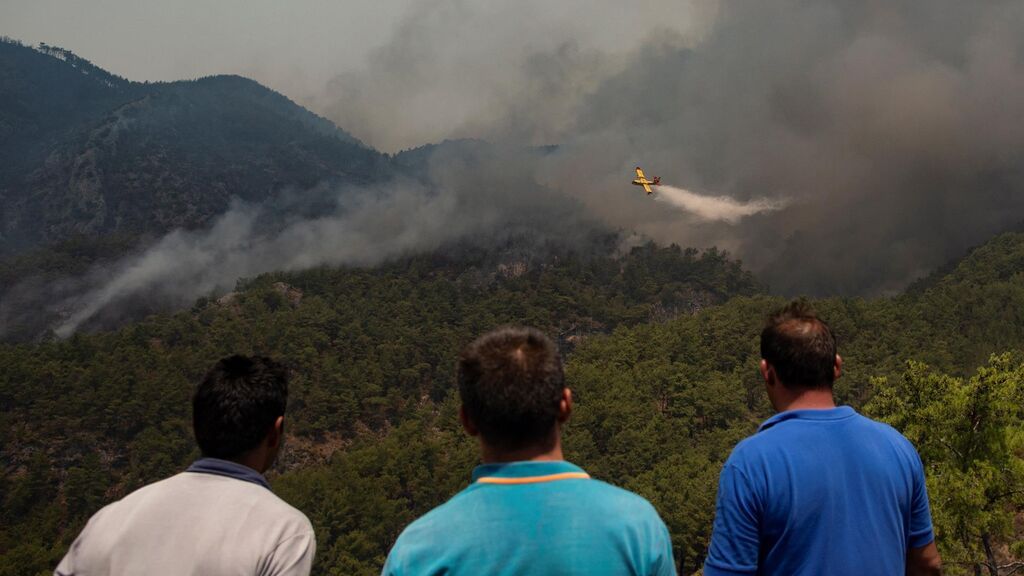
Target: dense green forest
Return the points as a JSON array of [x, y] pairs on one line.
[[661, 350], [87, 419]]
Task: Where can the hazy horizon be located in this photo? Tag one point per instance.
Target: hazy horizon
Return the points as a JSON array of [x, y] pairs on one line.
[[306, 48]]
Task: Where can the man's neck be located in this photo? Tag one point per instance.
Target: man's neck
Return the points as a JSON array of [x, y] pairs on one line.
[[815, 399], [254, 459], [490, 455]]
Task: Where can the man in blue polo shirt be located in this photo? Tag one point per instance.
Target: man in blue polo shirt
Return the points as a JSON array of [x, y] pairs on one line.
[[819, 489], [528, 511]]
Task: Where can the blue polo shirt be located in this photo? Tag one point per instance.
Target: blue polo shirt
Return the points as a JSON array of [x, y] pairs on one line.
[[820, 492], [535, 518]]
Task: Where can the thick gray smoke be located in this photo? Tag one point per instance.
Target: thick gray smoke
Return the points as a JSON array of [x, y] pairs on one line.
[[508, 71], [878, 139], [891, 127]]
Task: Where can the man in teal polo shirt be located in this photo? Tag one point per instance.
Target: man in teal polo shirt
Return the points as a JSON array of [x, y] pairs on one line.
[[528, 511]]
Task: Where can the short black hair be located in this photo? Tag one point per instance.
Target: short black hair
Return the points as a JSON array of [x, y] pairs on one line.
[[800, 346], [511, 382], [236, 404]]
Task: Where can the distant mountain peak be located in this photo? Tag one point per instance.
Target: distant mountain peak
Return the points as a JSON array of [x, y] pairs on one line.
[[80, 64], [86, 153]]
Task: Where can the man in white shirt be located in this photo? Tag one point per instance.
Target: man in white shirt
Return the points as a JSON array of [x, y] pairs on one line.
[[219, 517]]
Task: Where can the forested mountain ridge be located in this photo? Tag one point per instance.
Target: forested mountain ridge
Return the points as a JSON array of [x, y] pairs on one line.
[[661, 359], [88, 155]]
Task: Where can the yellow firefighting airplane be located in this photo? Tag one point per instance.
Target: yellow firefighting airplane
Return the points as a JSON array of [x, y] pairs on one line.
[[642, 180]]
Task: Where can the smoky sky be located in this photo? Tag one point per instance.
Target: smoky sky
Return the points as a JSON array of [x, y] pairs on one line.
[[889, 130], [890, 127], [305, 48], [293, 47], [514, 71], [885, 136]]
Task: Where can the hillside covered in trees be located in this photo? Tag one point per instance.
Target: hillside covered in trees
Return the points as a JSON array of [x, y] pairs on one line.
[[88, 155], [92, 417], [661, 349], [98, 169]]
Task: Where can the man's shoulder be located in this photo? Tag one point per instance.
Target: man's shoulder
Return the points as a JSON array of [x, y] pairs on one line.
[[112, 518], [885, 429], [855, 421], [624, 503], [189, 489], [769, 444], [440, 516], [425, 536], [144, 494], [603, 509], [750, 447], [597, 498], [193, 512], [263, 501], [884, 432]]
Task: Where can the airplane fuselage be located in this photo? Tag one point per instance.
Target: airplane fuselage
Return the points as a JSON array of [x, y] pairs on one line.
[[641, 180]]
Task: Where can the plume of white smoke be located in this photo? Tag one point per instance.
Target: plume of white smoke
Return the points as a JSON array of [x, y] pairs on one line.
[[467, 196], [715, 208], [185, 265]]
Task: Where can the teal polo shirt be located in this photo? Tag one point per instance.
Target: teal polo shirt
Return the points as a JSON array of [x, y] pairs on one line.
[[535, 518]]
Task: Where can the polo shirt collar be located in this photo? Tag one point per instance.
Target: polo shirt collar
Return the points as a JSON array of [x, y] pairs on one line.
[[540, 470], [837, 413], [219, 467]]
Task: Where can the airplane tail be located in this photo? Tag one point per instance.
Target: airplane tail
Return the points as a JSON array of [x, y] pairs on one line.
[[657, 180]]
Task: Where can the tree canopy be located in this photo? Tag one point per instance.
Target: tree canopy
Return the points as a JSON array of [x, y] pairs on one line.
[[661, 347]]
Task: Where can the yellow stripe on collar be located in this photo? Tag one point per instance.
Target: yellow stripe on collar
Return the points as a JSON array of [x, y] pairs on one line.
[[534, 479]]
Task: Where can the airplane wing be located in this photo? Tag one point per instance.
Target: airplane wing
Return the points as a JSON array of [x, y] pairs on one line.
[[647, 186], [640, 173]]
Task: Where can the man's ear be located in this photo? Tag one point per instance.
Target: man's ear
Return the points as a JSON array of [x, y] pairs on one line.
[[565, 406], [837, 369], [276, 433], [467, 424], [767, 372]]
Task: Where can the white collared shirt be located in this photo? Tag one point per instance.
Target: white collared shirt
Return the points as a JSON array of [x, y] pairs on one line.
[[194, 524]]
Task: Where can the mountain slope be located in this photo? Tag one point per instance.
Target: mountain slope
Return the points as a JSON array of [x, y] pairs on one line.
[[87, 154]]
